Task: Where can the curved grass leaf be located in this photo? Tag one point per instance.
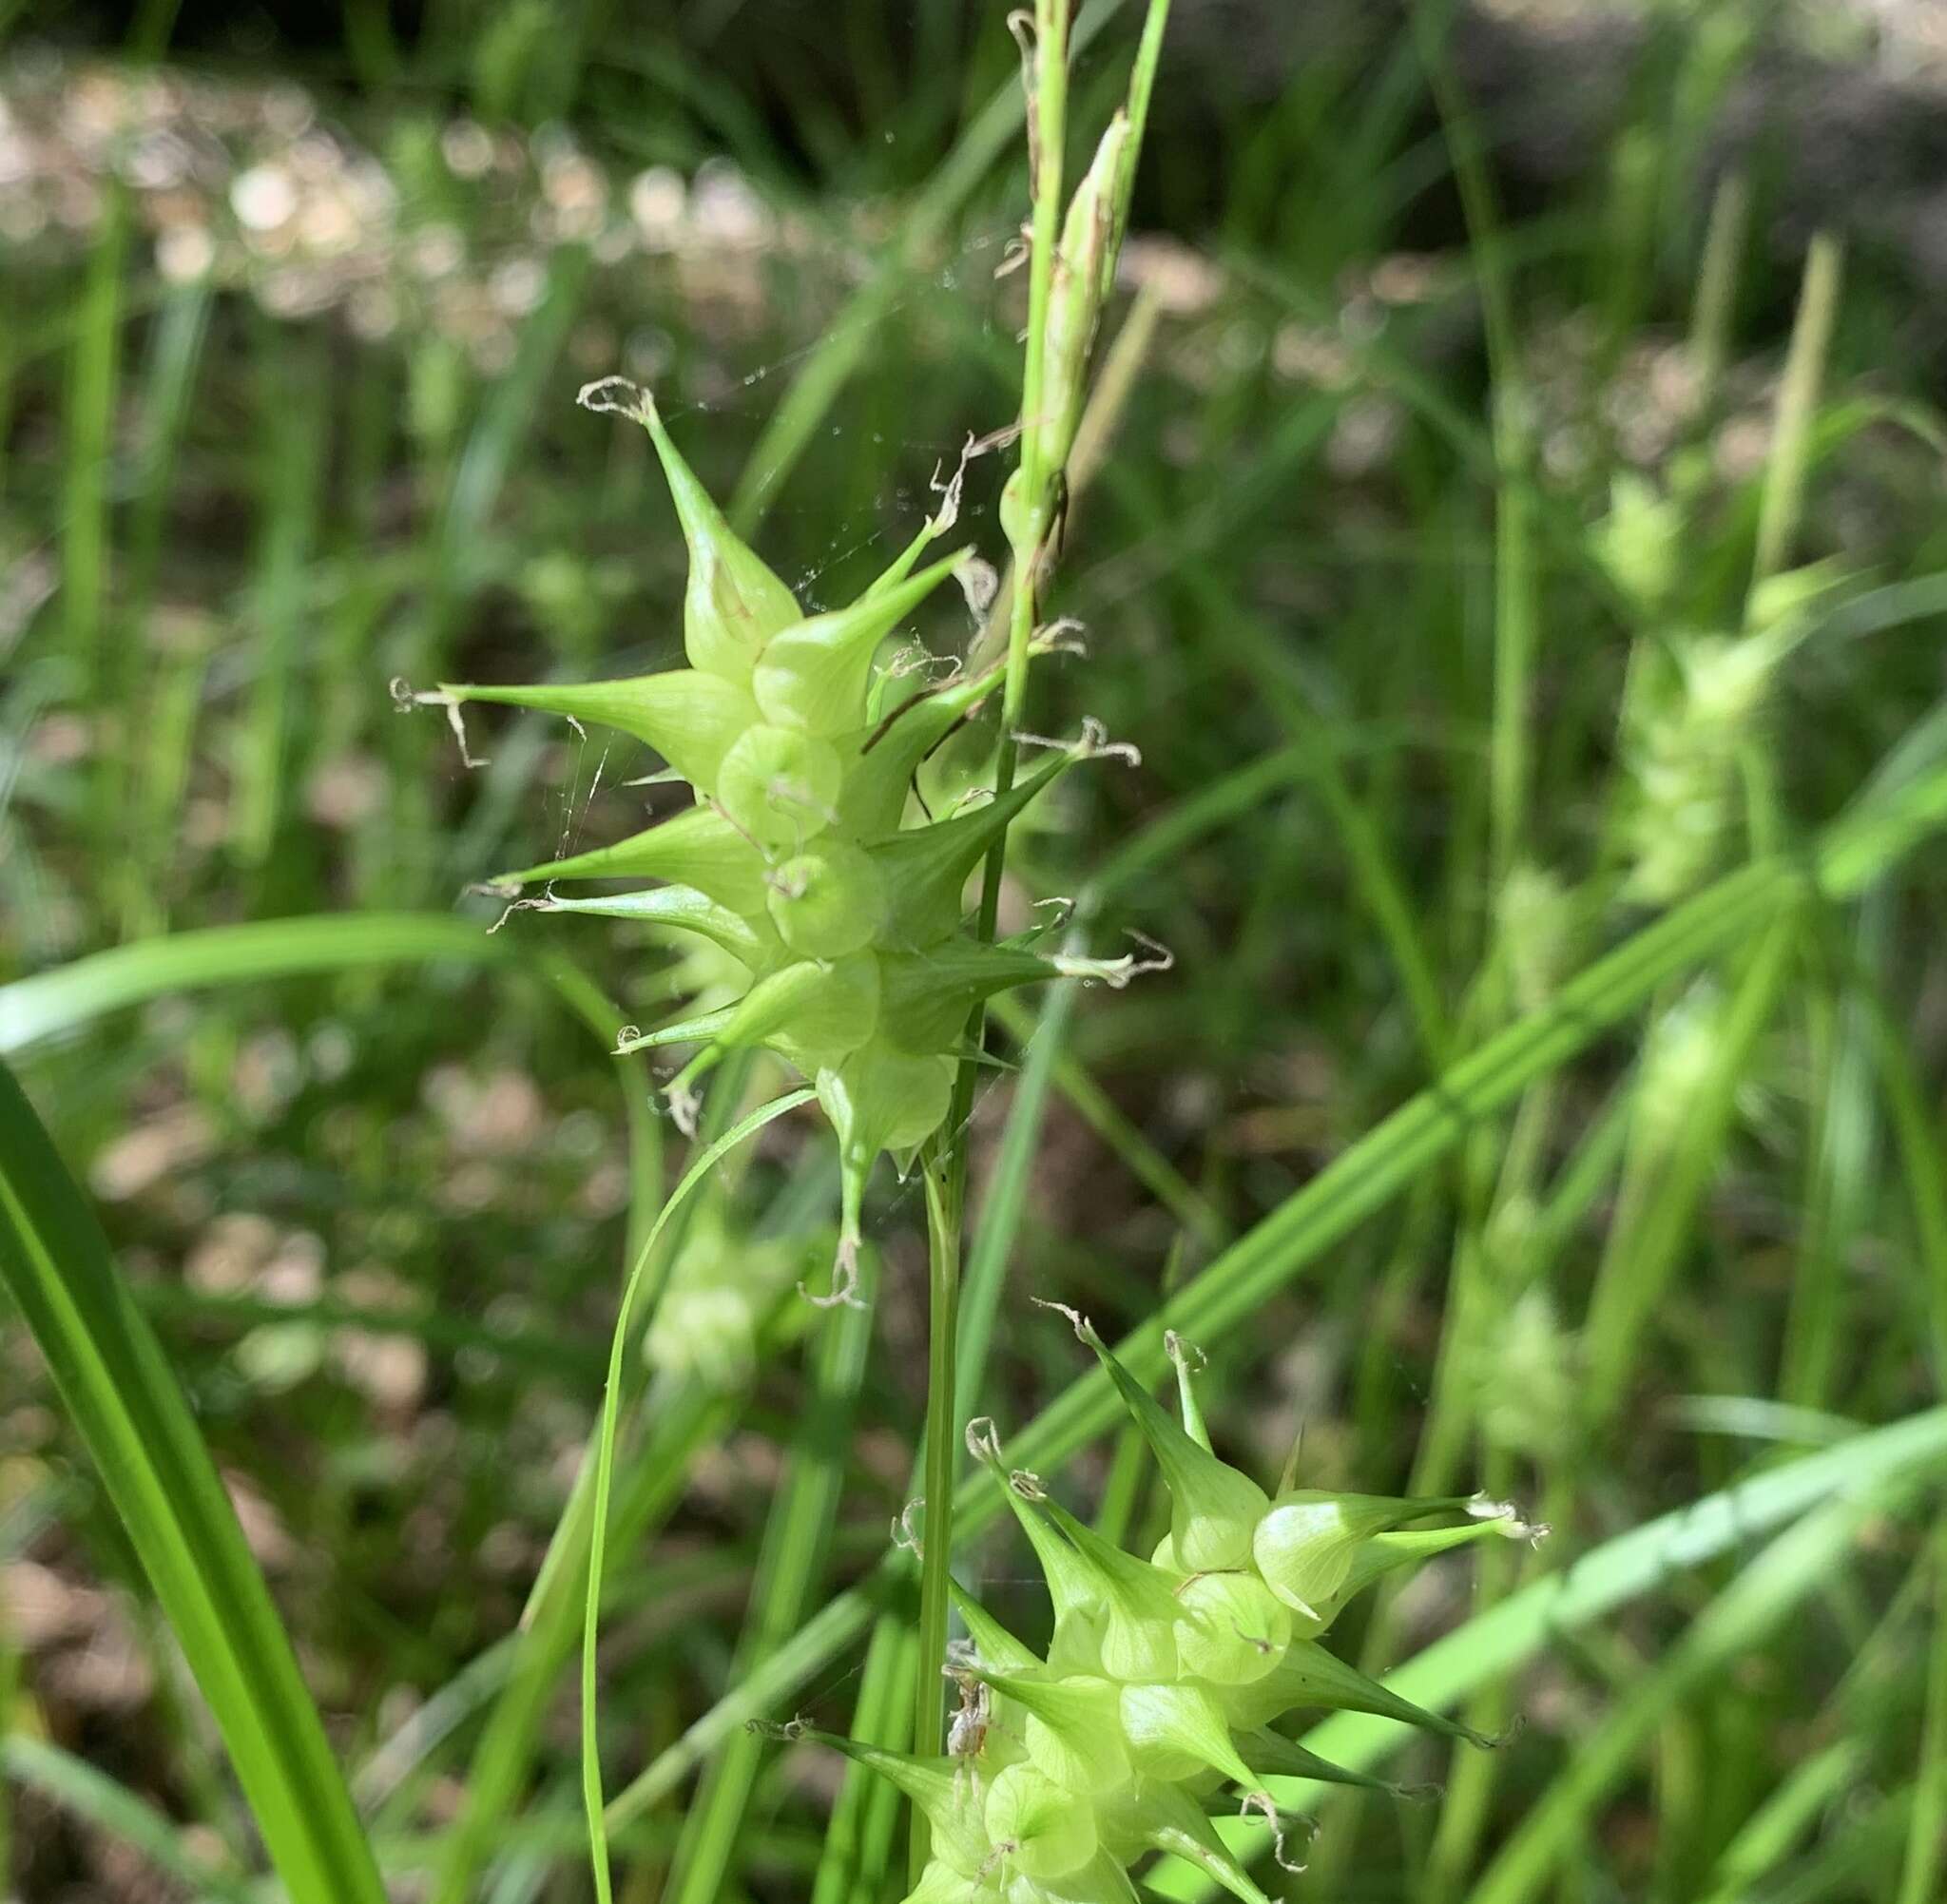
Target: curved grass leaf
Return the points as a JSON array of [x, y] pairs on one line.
[[642, 1292], [51, 1003], [124, 1398], [107, 1807]]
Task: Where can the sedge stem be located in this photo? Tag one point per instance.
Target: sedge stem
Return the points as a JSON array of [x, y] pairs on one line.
[[942, 1445]]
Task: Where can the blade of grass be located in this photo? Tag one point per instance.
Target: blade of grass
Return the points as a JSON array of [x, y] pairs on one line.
[[1923, 1162], [642, 1290], [294, 450], [1714, 313], [1361, 1180], [480, 470], [107, 1807], [1861, 1858], [92, 376], [1508, 768], [1765, 1589], [551, 1621], [168, 388], [1042, 1043], [550, 1624], [865, 1817], [124, 1399], [1767, 1835], [1843, 1170], [52, 1003], [1633, 1274], [1926, 1837], [1797, 402]]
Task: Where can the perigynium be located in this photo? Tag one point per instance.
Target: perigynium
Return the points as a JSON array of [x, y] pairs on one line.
[[1150, 1713], [803, 860]]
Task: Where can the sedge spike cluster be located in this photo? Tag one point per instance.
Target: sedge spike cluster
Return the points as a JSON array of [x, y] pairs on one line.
[[797, 860], [1151, 1713]]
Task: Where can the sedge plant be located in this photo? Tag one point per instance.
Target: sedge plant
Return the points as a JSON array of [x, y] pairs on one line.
[[804, 859]]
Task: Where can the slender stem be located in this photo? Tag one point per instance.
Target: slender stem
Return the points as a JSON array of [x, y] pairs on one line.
[[1717, 284], [946, 1185], [1032, 536], [640, 1294], [1921, 1866], [1047, 121], [1797, 399], [942, 1446], [1508, 765]]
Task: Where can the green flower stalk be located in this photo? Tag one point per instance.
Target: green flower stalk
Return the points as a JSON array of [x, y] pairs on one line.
[[797, 863], [1151, 1714]]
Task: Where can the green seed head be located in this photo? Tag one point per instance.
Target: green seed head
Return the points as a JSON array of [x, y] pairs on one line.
[[1213, 1508], [795, 859], [831, 1015], [1073, 1730], [940, 1883], [814, 676]]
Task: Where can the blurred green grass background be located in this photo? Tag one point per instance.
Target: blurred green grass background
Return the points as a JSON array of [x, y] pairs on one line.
[[1429, 479]]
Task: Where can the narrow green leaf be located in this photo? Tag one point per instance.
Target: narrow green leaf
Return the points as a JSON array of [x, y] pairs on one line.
[[1797, 1564], [109, 1807], [641, 1292], [51, 1003], [796, 1541], [123, 1397]]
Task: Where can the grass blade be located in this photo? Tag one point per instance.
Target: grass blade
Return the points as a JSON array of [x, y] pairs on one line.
[[1796, 1565], [641, 1292], [109, 1807], [124, 1398], [51, 1003], [1926, 1842]]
